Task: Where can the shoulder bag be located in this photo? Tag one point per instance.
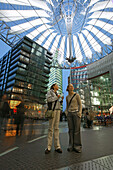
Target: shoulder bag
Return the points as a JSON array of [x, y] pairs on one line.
[[50, 113]]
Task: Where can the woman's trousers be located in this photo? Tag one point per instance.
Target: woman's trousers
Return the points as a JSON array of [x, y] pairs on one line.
[[54, 128], [74, 122]]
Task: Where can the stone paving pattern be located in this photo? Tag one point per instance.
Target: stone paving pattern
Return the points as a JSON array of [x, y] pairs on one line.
[[96, 153]]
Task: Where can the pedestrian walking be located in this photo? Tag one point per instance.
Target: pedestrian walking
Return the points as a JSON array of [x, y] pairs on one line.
[[73, 111], [53, 99], [4, 112], [20, 117]]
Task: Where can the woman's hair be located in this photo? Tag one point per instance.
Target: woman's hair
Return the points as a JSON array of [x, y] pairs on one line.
[[52, 87], [67, 87]]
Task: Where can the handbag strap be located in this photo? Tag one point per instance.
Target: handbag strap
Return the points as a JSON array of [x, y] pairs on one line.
[[52, 102], [71, 99], [55, 105]]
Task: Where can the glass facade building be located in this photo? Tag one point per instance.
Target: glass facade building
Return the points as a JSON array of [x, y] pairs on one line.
[[55, 74], [100, 75], [56, 77], [96, 93], [101, 92], [78, 79], [24, 71], [78, 76], [94, 83]]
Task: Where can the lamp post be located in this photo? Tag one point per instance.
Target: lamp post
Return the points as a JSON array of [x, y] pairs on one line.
[[89, 92], [70, 74]]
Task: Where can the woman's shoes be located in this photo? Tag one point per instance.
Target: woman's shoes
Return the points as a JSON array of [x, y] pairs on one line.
[[73, 149], [47, 151], [59, 150], [69, 149], [78, 150]]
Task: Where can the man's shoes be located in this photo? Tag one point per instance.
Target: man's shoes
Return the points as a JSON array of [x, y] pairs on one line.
[[59, 150], [69, 149], [47, 151]]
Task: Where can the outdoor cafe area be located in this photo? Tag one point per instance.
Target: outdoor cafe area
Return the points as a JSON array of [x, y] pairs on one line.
[[103, 119]]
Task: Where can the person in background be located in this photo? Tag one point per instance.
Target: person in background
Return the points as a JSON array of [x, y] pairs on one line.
[[20, 118], [4, 112], [53, 99], [111, 110], [88, 119], [74, 111]]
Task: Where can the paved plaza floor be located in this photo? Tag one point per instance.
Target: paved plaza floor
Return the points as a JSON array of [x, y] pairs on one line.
[[26, 152]]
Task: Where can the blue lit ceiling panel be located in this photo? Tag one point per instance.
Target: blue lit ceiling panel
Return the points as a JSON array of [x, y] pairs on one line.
[[79, 31]]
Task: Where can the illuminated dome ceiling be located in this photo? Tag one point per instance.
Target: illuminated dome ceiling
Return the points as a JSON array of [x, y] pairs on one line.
[[79, 31]]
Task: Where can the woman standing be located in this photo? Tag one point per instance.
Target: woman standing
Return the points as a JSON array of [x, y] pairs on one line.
[[53, 100], [73, 111]]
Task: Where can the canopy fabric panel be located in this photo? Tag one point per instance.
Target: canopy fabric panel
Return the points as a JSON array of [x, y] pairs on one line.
[[79, 29]]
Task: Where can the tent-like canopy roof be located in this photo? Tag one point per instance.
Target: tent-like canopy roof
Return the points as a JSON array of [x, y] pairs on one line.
[[79, 31]]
